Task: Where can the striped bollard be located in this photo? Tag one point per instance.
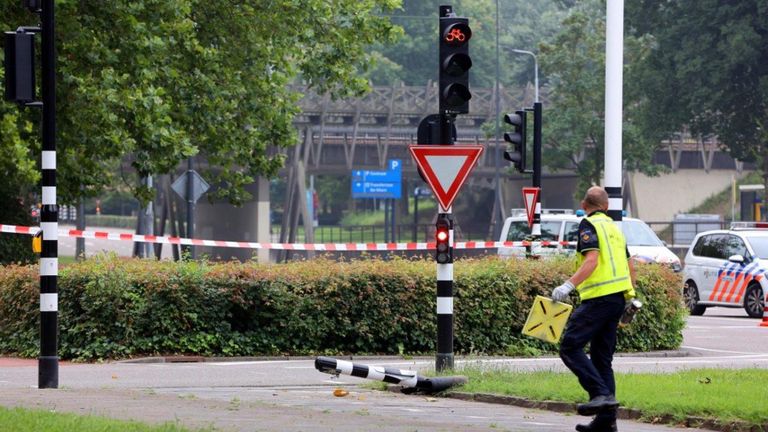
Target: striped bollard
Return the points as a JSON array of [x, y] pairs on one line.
[[410, 380]]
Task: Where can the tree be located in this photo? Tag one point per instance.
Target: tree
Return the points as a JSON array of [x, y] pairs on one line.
[[153, 82], [574, 63], [708, 72]]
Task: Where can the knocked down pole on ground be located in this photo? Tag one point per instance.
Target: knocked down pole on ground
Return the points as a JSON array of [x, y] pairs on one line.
[[410, 380]]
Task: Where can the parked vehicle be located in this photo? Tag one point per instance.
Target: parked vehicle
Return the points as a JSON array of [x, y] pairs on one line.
[[643, 244], [727, 268]]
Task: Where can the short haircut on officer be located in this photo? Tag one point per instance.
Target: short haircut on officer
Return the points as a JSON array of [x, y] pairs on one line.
[[596, 197]]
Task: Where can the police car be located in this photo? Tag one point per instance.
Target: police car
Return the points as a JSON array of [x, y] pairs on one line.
[[727, 268], [559, 226]]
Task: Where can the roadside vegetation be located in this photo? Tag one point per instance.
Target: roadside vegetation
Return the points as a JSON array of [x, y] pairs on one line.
[[726, 395], [25, 420], [119, 308]]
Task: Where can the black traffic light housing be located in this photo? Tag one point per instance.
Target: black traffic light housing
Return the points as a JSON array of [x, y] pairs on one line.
[[19, 64], [516, 138], [33, 5], [443, 250], [454, 63]]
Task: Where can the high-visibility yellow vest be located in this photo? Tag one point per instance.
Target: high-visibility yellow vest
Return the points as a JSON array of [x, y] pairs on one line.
[[612, 272]]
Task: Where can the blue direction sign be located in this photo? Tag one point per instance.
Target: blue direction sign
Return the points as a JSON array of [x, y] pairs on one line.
[[379, 184]]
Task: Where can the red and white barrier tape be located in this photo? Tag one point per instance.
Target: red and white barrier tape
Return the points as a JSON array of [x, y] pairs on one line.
[[104, 235]]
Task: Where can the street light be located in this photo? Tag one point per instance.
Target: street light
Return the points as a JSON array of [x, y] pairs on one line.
[[535, 69]]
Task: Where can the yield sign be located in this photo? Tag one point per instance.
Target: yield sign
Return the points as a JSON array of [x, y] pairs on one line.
[[446, 167], [531, 197]]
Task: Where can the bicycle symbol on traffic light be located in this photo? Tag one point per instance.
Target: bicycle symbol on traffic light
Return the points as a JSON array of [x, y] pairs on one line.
[[455, 35]]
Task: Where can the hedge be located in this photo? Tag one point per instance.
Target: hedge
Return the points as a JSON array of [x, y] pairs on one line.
[[118, 308]]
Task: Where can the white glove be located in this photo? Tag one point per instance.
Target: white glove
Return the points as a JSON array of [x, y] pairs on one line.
[[561, 293]]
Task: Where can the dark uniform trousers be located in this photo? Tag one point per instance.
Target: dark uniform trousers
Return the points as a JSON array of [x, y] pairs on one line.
[[595, 321]]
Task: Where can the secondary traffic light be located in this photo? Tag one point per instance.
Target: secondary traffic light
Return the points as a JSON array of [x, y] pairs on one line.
[[517, 139], [19, 66], [443, 253], [454, 65]]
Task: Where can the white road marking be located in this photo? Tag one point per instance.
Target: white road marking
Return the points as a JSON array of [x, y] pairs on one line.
[[718, 350], [722, 327], [712, 318]]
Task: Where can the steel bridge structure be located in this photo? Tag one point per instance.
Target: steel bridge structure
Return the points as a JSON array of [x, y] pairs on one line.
[[337, 136]]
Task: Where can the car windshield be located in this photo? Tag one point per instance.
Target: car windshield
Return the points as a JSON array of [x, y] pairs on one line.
[[638, 233], [519, 230], [759, 245]]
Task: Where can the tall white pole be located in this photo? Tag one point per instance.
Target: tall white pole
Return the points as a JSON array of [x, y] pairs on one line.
[[614, 62]]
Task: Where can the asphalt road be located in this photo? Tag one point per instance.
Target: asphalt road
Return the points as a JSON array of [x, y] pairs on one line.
[[290, 395]]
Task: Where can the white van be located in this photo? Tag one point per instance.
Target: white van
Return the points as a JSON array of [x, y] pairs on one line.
[[643, 244]]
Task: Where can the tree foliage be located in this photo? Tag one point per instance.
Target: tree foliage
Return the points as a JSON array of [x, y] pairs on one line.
[[574, 63], [708, 71], [154, 82]]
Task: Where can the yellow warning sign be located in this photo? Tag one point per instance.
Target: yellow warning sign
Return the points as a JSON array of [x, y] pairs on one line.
[[546, 320]]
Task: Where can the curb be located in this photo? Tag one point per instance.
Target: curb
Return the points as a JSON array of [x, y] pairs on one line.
[[203, 359], [623, 413]]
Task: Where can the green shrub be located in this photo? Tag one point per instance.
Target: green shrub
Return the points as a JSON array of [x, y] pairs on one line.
[[116, 308]]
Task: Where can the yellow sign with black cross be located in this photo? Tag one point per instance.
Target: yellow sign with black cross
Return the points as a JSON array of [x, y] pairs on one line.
[[547, 319]]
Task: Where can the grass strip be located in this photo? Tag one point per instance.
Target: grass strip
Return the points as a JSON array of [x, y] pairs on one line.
[[26, 420], [722, 394]]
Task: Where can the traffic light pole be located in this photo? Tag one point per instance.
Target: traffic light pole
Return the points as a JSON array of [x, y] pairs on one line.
[[454, 64], [48, 362], [537, 119]]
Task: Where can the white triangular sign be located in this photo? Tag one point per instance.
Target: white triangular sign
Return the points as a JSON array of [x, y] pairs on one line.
[[530, 196], [446, 168]]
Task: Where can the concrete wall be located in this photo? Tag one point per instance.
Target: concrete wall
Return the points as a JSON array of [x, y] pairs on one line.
[[660, 198]]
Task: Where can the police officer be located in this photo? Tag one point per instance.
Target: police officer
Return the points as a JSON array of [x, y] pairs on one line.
[[604, 280]]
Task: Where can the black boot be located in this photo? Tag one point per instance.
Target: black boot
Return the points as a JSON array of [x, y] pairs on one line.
[[598, 426], [597, 404]]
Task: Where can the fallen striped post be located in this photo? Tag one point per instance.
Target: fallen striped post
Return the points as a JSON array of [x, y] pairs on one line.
[[410, 380]]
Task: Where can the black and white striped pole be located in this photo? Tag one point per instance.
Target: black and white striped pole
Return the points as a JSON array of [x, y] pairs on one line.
[[407, 378], [48, 362], [444, 259], [614, 64]]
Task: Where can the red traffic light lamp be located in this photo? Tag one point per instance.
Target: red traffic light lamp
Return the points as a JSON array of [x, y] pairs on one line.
[[443, 252]]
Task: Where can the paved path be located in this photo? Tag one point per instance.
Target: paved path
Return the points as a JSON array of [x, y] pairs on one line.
[[290, 395]]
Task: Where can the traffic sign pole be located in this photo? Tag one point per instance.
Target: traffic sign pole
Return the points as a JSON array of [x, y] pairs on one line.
[[445, 168]]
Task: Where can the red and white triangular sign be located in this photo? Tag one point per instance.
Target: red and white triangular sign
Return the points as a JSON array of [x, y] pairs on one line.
[[531, 197], [446, 167]]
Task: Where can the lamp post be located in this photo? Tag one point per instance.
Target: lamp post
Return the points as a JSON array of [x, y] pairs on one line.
[[535, 70], [498, 212]]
